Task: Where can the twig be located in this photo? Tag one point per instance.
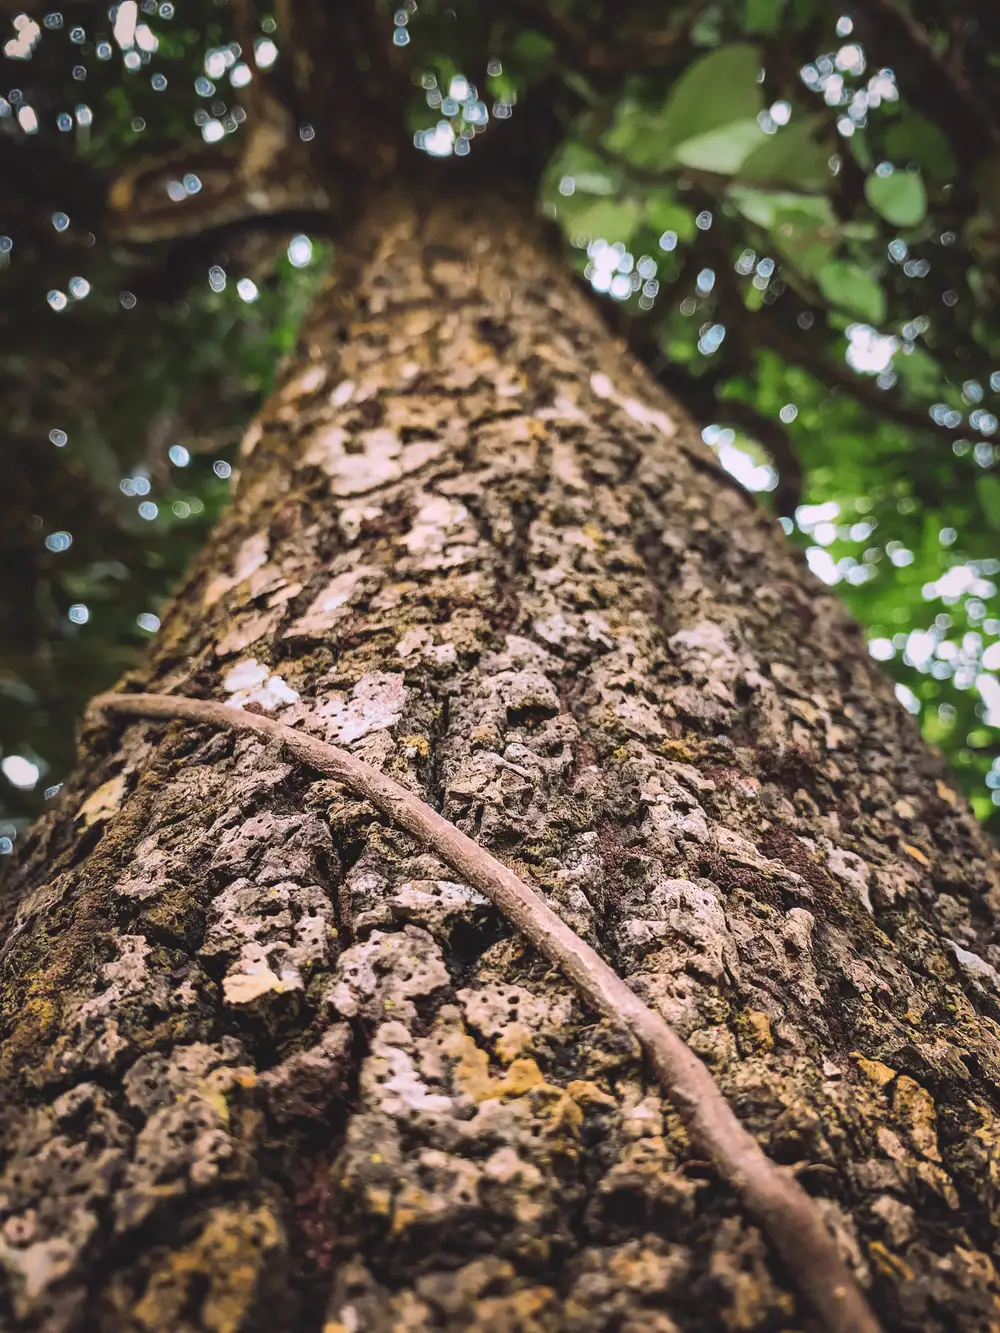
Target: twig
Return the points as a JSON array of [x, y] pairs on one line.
[[935, 86], [788, 1214]]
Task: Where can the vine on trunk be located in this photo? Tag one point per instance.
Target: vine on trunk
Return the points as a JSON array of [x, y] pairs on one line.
[[786, 1211]]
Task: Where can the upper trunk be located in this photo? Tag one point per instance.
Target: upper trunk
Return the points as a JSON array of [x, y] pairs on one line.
[[267, 1065]]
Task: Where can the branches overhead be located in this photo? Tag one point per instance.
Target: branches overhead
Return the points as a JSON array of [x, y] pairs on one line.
[[804, 347], [761, 163], [806, 351], [938, 87], [265, 171]]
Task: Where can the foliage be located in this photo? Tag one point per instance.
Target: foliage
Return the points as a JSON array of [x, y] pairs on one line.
[[798, 209]]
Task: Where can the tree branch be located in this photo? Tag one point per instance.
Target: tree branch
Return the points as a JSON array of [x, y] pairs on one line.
[[592, 55], [804, 352], [787, 1212], [264, 170], [168, 275], [936, 87], [762, 326], [796, 348]]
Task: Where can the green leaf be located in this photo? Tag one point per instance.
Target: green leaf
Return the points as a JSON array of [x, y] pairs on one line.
[[988, 490], [612, 220], [849, 287], [665, 214], [803, 227], [768, 208], [718, 90], [590, 174], [900, 198], [860, 149], [762, 15], [533, 48], [808, 241], [919, 372], [721, 150], [914, 138], [791, 157], [594, 182]]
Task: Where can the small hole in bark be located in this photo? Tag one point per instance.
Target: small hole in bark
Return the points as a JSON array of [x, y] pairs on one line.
[[531, 715], [199, 1287], [848, 990], [496, 334], [370, 413]]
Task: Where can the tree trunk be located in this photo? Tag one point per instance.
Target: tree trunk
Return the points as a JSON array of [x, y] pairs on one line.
[[267, 1067]]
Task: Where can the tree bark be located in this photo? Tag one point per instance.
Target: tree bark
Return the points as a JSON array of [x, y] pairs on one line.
[[266, 1065]]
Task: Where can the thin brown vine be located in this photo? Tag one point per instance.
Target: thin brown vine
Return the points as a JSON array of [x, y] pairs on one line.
[[788, 1214]]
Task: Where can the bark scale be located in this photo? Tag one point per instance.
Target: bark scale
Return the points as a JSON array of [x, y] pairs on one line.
[[266, 1065]]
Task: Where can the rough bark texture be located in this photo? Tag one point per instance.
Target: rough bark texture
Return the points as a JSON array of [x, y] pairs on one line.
[[266, 1066]]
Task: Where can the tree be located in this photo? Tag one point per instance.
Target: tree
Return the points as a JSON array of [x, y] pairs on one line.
[[267, 1063]]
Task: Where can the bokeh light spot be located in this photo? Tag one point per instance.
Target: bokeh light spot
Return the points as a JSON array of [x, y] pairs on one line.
[[20, 771], [300, 251]]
